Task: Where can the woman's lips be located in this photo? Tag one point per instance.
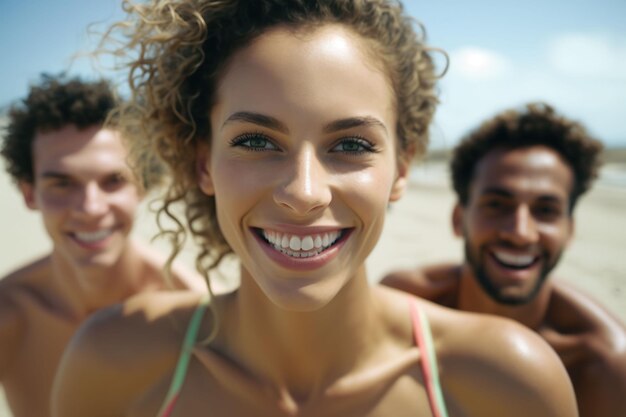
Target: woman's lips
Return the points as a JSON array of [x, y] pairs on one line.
[[302, 251]]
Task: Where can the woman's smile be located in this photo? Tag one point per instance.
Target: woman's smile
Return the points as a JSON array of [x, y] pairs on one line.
[[304, 250]]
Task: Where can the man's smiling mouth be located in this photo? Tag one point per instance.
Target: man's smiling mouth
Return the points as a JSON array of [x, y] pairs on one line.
[[92, 237], [514, 261]]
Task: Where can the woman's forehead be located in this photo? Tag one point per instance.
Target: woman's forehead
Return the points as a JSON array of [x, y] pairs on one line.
[[323, 71]]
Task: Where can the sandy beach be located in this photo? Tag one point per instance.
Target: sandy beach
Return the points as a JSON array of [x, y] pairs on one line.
[[417, 232]]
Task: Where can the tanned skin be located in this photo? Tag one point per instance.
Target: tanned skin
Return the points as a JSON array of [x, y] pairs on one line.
[[304, 336], [87, 198], [517, 210]]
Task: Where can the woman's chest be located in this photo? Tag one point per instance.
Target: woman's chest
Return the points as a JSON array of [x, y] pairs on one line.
[[207, 395]]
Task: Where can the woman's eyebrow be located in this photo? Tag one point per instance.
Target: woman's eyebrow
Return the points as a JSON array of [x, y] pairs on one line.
[[274, 124], [257, 119], [351, 122]]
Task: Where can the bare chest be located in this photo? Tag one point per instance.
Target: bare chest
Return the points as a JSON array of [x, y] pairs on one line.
[[29, 377], [207, 395]]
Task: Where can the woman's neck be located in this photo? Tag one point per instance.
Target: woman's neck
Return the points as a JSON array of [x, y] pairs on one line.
[[303, 353]]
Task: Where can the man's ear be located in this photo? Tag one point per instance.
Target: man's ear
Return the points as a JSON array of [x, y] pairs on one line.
[[402, 177], [457, 220], [28, 194], [203, 157]]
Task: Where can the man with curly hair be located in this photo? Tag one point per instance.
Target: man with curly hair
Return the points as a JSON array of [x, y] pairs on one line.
[[72, 169], [517, 179]]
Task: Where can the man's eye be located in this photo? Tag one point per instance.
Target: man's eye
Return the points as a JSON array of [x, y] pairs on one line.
[[115, 180], [496, 206], [493, 204], [254, 142], [548, 211], [61, 183], [353, 146]]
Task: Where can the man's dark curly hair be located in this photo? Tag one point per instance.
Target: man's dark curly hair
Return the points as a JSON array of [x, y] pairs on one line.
[[537, 124], [51, 105]]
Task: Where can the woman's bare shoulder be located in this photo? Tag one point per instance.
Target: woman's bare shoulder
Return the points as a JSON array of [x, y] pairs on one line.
[[147, 314], [124, 349], [505, 364], [488, 365]]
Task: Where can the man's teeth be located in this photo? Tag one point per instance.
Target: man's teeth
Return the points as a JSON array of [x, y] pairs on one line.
[[301, 246], [518, 261], [90, 237]]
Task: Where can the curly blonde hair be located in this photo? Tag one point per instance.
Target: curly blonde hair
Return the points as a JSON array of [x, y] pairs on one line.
[[176, 51]]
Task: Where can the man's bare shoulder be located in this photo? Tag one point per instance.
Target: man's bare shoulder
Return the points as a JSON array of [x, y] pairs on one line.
[[437, 283], [25, 286], [591, 342], [181, 277], [590, 312], [572, 312], [28, 289], [19, 292], [499, 356], [30, 274]]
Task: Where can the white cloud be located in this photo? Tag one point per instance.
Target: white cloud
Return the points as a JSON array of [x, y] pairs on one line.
[[588, 55], [582, 75], [598, 103], [478, 64]]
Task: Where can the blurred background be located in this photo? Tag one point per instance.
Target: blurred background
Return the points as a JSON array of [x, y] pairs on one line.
[[571, 53], [503, 53]]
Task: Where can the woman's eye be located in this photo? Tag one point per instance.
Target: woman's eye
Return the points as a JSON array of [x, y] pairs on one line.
[[353, 146], [254, 142]]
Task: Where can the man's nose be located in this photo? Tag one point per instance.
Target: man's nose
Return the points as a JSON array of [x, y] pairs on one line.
[[521, 226], [92, 200]]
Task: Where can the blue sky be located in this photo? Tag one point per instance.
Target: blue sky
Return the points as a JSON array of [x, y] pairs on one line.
[[503, 54]]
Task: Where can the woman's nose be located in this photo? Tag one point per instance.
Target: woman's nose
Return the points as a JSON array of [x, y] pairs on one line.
[[305, 188]]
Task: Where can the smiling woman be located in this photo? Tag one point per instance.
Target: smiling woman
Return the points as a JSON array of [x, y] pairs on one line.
[[288, 128]]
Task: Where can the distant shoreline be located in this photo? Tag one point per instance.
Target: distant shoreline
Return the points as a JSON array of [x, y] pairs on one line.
[[612, 173], [611, 154]]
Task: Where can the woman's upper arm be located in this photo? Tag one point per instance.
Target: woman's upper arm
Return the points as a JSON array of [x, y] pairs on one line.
[[507, 370], [119, 354], [81, 386], [88, 380]]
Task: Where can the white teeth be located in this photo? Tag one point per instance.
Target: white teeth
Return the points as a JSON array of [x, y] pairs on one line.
[[90, 237], [301, 246], [307, 243], [518, 261], [295, 243]]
